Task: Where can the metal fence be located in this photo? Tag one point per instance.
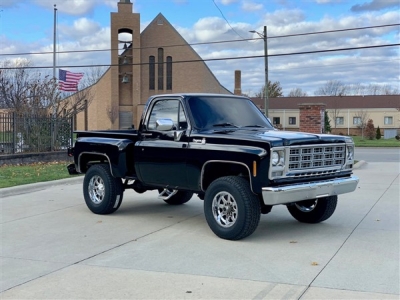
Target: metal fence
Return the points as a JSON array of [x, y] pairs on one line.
[[29, 133]]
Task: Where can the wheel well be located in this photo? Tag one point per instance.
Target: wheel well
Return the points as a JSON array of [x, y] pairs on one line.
[[214, 170], [88, 159]]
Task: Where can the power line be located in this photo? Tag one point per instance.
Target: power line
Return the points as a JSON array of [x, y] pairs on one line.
[[335, 65], [216, 59], [202, 43], [226, 19]]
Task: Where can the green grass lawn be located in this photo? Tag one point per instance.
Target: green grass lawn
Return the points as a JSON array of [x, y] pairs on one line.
[[365, 142], [32, 173]]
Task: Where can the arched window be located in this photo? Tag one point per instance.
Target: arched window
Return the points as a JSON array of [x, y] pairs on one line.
[[160, 68], [169, 72], [152, 72]]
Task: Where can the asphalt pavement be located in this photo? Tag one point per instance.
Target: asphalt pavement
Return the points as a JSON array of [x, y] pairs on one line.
[[53, 247]]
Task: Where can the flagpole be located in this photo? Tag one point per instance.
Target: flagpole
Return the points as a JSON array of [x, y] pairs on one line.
[[54, 42], [54, 112]]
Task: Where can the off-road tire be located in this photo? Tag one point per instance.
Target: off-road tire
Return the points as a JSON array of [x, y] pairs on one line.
[[232, 211], [313, 211], [103, 193], [179, 198]]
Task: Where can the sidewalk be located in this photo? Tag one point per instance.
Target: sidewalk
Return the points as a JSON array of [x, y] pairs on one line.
[[53, 247]]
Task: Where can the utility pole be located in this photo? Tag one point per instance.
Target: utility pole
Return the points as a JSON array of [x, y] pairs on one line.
[[266, 97]]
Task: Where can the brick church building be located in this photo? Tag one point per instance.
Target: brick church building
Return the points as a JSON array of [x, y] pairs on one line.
[[148, 65]]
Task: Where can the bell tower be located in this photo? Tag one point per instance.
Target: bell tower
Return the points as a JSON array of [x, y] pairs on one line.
[[125, 64]]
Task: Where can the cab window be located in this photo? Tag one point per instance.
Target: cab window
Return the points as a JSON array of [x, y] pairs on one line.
[[168, 109]]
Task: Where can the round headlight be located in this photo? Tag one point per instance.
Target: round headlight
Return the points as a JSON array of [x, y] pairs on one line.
[[275, 158]]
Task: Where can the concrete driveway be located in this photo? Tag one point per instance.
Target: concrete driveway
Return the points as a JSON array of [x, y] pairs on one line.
[[53, 247]]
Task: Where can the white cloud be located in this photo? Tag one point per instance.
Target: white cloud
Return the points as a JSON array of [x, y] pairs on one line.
[[72, 7], [228, 2], [327, 1], [82, 27], [376, 5], [251, 6], [8, 3], [308, 71]]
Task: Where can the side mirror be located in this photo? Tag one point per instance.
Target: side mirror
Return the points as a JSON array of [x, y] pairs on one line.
[[164, 124]]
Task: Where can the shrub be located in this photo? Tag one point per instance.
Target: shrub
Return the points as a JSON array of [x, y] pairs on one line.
[[378, 133], [370, 129]]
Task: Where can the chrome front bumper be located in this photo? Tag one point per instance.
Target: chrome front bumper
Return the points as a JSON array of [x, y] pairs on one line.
[[310, 190]]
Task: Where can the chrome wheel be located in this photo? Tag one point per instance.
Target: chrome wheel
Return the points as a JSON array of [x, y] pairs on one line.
[[96, 189], [307, 205], [225, 209]]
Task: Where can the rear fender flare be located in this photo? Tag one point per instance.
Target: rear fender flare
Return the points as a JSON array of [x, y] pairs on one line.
[[79, 169]]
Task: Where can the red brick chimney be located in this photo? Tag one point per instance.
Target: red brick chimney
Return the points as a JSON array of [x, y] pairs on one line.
[[238, 83], [312, 117]]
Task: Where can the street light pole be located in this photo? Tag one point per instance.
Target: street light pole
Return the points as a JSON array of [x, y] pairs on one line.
[[266, 98]]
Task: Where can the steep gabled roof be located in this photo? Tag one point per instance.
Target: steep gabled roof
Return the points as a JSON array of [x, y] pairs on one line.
[[183, 42]]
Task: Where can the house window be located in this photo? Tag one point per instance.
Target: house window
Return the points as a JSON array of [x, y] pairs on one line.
[[169, 73], [152, 72], [356, 120], [160, 68], [339, 121], [292, 120], [276, 120], [388, 121]]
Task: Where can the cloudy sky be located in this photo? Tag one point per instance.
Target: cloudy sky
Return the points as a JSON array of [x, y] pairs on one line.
[[26, 26]]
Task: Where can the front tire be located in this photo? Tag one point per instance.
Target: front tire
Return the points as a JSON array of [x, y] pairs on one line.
[[231, 209], [103, 193], [313, 211]]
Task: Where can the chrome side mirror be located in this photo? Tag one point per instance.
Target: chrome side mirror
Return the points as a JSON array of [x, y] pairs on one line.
[[164, 124]]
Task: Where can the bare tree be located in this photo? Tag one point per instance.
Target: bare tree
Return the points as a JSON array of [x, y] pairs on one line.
[[15, 85], [73, 104], [371, 89], [92, 76], [112, 112], [274, 90], [297, 92], [24, 91], [362, 117], [332, 88]]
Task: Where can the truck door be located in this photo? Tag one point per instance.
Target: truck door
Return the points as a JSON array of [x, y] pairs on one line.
[[162, 149]]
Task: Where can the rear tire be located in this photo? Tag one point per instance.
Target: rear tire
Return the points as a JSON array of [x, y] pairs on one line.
[[179, 198], [103, 193], [231, 209], [313, 211]]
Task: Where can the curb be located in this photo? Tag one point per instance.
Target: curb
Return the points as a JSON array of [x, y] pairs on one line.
[[32, 187], [359, 164]]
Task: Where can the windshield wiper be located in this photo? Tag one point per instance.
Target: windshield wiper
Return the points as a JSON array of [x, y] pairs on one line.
[[225, 125], [260, 126]]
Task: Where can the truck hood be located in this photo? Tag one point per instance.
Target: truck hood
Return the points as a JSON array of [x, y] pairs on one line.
[[277, 137]]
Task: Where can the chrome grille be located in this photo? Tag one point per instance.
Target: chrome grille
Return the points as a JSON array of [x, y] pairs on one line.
[[314, 157]]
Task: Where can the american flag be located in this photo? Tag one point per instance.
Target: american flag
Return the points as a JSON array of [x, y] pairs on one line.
[[68, 81]]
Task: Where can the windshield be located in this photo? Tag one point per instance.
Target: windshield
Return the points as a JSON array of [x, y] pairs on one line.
[[213, 111]]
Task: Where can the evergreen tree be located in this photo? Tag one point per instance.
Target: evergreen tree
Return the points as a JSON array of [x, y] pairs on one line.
[[378, 133], [327, 125]]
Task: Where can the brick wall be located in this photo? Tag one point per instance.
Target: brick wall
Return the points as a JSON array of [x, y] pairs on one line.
[[312, 117]]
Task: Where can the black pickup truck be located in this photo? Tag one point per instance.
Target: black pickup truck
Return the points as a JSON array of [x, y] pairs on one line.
[[222, 148]]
